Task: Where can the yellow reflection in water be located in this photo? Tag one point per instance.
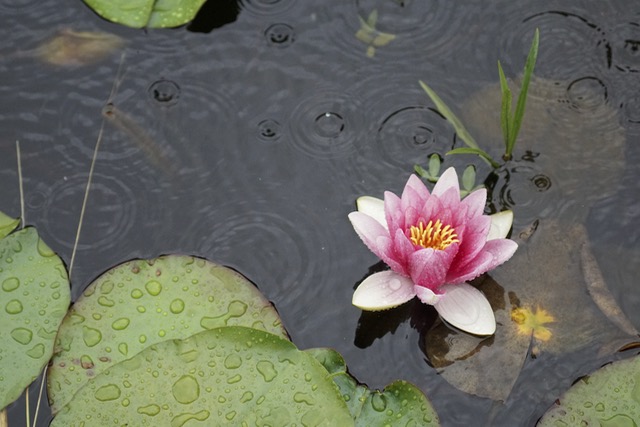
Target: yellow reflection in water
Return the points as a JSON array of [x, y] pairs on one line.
[[529, 322]]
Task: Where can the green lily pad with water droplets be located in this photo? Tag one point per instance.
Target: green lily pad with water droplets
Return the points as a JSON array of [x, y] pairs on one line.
[[143, 302], [609, 397], [147, 13], [7, 224], [34, 297], [401, 403], [225, 376]]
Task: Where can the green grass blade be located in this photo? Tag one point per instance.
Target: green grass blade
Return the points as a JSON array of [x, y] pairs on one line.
[[477, 151], [505, 112], [448, 114], [522, 97]]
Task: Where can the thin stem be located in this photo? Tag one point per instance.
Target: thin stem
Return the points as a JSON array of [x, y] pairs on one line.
[[44, 377], [22, 216], [91, 169], [86, 197], [26, 401], [3, 418]]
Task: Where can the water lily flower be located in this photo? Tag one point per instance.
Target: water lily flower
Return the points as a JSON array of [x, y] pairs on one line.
[[433, 243]]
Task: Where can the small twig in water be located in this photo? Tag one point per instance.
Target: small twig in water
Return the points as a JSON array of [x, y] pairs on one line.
[[91, 169]]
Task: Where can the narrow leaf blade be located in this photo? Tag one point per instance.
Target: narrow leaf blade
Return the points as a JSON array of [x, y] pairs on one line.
[[448, 114], [522, 97]]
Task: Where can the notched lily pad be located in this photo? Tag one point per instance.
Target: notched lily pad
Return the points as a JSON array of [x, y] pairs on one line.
[[401, 403], [608, 397], [225, 376], [7, 224], [34, 297], [147, 13], [143, 302]]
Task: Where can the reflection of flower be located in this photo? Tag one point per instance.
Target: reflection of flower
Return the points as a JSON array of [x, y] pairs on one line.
[[433, 243], [530, 322]]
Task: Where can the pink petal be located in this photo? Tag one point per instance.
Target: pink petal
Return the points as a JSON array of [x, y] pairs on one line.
[[494, 253], [449, 179], [386, 252], [393, 211], [475, 202], [382, 291], [466, 308], [428, 267], [473, 238], [410, 198], [368, 229], [418, 186], [450, 199], [431, 210], [403, 247], [377, 239]]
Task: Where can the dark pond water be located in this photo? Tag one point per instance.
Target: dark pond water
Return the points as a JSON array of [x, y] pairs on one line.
[[248, 143]]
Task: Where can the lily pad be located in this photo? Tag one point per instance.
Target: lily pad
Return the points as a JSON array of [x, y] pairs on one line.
[[147, 13], [401, 403], [143, 302], [608, 397], [34, 297], [225, 376], [7, 224]]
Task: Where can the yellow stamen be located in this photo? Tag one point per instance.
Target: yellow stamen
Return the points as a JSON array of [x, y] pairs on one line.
[[433, 235]]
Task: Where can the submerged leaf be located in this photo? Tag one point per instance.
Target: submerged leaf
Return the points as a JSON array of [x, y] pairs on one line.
[[372, 37], [34, 295], [565, 135], [600, 293], [143, 302], [483, 366], [147, 13], [225, 376], [608, 397], [70, 47]]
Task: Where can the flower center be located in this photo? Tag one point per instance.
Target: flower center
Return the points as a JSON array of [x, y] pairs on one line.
[[433, 235]]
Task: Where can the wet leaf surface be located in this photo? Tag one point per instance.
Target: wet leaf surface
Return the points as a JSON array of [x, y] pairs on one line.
[[143, 302], [147, 13], [400, 403], [34, 297], [608, 397], [7, 224], [225, 376]]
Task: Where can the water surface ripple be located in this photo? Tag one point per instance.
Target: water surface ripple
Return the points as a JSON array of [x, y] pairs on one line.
[[249, 144]]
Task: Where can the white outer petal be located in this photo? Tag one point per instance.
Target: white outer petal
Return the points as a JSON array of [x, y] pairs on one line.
[[373, 207], [426, 295], [382, 291], [500, 225], [466, 308]]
